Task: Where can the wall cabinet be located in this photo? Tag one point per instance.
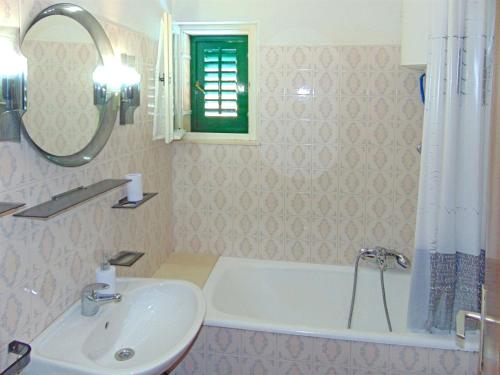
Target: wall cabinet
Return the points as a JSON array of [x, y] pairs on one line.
[[415, 29]]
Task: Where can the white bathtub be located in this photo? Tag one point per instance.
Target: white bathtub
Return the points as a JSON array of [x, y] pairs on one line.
[[313, 300]]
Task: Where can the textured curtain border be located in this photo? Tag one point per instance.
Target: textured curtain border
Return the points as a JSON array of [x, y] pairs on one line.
[[455, 284]]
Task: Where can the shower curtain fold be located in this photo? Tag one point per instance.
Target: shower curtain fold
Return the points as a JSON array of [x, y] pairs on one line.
[[449, 253]]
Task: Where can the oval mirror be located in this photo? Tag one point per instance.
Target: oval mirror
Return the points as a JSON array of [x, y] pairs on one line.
[[64, 45]]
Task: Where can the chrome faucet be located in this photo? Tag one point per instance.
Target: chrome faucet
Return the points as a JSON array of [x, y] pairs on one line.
[[91, 300], [384, 258]]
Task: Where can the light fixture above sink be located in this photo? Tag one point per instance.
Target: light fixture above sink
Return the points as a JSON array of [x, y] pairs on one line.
[[144, 334]]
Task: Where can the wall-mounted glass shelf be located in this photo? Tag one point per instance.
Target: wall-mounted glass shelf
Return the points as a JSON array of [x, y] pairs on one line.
[[125, 258], [124, 202], [20, 353], [65, 201], [7, 208]]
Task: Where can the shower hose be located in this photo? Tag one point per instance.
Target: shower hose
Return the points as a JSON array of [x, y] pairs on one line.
[[354, 286]]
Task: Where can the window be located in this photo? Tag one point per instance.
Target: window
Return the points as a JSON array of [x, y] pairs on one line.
[[215, 98], [219, 80]]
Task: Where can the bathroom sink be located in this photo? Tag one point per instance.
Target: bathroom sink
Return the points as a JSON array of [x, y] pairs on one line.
[[144, 334]]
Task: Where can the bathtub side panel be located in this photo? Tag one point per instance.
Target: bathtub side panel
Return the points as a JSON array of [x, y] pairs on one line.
[[243, 352]]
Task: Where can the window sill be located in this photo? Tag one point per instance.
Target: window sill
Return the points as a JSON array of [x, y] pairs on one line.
[[219, 139]]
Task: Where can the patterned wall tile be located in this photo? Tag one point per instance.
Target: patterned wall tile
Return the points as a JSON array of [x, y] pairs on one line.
[[224, 340], [294, 368], [219, 364], [269, 353], [329, 370], [45, 264], [449, 362], [257, 366], [259, 344], [369, 356], [332, 352], [410, 360], [192, 364], [295, 348], [339, 127]]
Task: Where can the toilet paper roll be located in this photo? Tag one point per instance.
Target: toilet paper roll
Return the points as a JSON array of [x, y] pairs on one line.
[[134, 187]]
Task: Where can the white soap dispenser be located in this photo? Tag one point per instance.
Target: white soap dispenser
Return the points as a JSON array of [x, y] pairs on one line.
[[106, 274]]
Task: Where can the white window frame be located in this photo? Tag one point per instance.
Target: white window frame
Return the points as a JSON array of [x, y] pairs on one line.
[[163, 120], [220, 28]]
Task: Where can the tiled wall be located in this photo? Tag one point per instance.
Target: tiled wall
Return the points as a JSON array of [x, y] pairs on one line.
[[337, 167], [221, 351], [44, 264]]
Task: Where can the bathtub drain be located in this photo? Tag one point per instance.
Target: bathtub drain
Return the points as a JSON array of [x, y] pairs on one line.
[[124, 354]]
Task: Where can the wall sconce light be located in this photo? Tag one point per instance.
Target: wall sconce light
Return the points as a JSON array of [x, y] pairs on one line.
[[123, 79], [13, 74], [130, 90]]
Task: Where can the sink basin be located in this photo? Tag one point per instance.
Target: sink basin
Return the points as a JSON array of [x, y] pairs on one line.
[[157, 319]]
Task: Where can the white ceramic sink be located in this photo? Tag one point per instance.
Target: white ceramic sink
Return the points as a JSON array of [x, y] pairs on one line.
[[158, 319]]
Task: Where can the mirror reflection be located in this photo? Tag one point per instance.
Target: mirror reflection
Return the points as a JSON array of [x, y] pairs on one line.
[[61, 117]]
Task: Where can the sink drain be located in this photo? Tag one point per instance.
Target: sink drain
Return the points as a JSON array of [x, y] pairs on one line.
[[124, 354]]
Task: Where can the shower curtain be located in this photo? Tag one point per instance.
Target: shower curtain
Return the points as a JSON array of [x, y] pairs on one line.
[[449, 256]]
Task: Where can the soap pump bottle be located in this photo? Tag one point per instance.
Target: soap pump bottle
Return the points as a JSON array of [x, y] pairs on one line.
[[106, 273]]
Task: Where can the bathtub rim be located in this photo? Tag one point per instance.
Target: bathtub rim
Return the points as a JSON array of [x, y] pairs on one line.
[[216, 318]]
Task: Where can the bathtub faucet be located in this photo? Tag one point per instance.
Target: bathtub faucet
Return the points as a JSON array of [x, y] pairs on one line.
[[385, 258]]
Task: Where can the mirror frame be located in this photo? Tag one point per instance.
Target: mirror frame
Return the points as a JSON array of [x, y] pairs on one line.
[[108, 112]]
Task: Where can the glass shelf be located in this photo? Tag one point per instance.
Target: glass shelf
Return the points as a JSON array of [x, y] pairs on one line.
[[65, 201], [6, 208], [124, 203]]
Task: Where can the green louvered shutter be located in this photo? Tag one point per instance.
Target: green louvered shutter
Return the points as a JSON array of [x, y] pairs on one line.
[[219, 79]]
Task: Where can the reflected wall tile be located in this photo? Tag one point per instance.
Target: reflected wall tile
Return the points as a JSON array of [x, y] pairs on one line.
[[12, 169]]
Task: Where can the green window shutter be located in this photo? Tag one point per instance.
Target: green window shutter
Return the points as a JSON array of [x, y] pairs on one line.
[[219, 79]]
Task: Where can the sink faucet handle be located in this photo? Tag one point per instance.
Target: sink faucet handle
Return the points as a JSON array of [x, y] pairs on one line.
[[92, 289]]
